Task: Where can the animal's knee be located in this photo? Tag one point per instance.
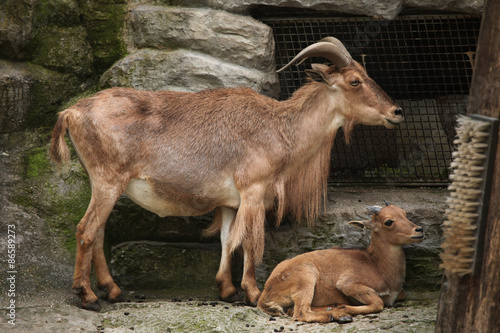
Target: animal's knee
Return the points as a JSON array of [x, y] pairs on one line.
[[272, 308], [85, 240]]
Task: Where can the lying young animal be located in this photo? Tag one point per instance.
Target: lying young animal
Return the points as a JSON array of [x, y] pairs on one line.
[[336, 284]]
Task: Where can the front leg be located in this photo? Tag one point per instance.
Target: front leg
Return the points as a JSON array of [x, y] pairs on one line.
[[372, 303], [303, 297]]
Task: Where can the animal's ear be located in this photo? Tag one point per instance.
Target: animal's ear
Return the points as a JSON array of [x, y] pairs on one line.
[[361, 224], [318, 73]]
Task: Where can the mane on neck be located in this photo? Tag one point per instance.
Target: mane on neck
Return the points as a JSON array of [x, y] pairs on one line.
[[303, 193]]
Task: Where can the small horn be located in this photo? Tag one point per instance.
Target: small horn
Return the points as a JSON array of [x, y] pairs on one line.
[[329, 47], [387, 203], [374, 209]]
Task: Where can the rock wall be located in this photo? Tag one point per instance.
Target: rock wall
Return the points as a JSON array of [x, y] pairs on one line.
[[387, 8], [152, 245], [54, 52]]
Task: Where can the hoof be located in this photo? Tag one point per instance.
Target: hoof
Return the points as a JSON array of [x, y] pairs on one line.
[[117, 299], [344, 319], [252, 297], [103, 288], [94, 306], [77, 291], [232, 298], [251, 303]]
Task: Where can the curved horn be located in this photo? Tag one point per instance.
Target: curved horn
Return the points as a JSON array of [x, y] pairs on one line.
[[374, 209], [329, 47]]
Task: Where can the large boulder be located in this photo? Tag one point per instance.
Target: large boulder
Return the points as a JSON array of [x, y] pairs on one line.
[[184, 49], [235, 39], [64, 49], [184, 70]]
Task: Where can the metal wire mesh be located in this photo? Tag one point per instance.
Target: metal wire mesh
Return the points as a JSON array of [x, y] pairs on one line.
[[423, 62]]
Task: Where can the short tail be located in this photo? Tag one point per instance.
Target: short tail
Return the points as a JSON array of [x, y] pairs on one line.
[[59, 151]]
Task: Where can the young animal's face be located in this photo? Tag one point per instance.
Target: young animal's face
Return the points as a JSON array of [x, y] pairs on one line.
[[391, 224]]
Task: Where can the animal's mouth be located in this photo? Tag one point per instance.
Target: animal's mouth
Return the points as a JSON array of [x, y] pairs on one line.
[[418, 237], [392, 123]]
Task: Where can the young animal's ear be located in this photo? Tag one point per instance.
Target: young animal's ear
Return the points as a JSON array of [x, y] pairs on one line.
[[318, 74], [361, 224]]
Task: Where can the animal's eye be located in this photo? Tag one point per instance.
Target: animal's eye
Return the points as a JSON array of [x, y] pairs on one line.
[[355, 83], [389, 222]]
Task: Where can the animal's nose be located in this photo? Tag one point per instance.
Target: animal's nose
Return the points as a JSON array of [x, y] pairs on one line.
[[398, 112], [419, 230]]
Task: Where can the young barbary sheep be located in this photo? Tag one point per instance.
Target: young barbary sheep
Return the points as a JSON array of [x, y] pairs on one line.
[[336, 284]]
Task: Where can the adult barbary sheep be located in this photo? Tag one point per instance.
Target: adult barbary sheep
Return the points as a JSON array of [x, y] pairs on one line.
[[229, 150], [335, 284]]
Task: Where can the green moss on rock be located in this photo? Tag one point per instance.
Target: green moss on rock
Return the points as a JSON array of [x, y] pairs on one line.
[[63, 13], [37, 163], [61, 200], [105, 26], [65, 49], [66, 211]]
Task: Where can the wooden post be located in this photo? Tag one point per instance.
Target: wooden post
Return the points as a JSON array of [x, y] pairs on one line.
[[472, 303]]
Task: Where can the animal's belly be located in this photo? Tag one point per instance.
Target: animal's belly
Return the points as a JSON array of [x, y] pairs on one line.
[[142, 192]]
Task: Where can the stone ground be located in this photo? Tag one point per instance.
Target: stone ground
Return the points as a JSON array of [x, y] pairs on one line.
[[152, 312]]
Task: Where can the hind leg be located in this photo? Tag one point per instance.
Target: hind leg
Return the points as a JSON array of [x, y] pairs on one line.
[[302, 297], [253, 249], [102, 202], [104, 280], [248, 282], [224, 278]]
